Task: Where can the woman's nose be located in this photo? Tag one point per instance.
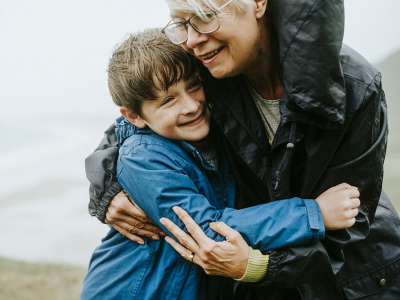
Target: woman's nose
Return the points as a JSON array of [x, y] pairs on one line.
[[194, 38]]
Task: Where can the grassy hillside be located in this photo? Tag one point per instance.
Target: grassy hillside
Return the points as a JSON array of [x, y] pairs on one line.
[[26, 281], [390, 69]]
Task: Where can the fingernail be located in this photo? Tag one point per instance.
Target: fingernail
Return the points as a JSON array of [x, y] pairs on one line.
[[156, 238], [162, 233], [174, 209], [141, 242], [162, 221]]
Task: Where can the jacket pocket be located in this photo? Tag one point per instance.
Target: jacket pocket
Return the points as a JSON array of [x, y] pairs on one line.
[[373, 282]]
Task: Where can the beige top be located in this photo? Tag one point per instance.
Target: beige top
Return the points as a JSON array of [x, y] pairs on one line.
[[257, 265], [269, 111]]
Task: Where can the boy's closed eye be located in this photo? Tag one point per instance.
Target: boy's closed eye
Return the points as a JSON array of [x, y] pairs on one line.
[[168, 100], [195, 85]]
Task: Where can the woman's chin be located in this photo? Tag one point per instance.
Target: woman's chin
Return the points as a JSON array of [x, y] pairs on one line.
[[221, 72]]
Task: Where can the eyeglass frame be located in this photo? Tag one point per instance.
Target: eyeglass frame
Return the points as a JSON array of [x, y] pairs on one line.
[[188, 21]]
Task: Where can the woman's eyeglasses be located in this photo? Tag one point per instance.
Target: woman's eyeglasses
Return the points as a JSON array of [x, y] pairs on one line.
[[177, 32]]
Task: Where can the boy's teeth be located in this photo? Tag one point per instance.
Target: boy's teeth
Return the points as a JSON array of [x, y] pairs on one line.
[[211, 54]]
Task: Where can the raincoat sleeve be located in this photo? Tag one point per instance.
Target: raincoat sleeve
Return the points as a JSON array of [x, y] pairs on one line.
[[160, 181], [100, 171]]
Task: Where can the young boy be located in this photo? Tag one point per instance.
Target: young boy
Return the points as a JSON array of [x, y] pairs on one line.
[[170, 157]]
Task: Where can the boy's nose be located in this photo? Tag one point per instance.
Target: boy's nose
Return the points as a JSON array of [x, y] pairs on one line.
[[190, 105]]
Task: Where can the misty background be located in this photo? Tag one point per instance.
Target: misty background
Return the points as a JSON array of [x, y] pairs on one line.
[[55, 106]]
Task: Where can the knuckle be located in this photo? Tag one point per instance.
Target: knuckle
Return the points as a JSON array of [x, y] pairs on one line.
[[207, 250], [142, 217], [109, 217], [183, 241], [235, 235], [140, 232], [133, 230], [348, 214], [119, 208], [191, 228], [138, 224]]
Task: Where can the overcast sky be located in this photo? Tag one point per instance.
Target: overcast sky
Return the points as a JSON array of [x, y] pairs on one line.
[[54, 53]]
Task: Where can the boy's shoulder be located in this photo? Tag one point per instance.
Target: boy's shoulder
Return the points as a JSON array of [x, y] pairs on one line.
[[144, 141], [147, 141]]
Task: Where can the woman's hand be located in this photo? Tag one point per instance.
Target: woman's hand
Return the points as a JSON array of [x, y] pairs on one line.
[[126, 217], [228, 258]]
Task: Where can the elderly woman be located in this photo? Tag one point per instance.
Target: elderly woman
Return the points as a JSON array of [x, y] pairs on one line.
[[298, 112]]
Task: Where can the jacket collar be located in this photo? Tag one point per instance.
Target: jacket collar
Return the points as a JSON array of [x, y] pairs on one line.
[[124, 129]]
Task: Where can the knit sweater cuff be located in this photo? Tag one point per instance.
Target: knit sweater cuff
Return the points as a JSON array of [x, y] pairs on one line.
[[257, 267]]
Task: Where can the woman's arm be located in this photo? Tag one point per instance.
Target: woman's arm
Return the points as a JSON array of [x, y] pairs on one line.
[[338, 207]]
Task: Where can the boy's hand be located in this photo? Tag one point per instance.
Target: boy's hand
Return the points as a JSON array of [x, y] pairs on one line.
[[126, 217], [339, 206]]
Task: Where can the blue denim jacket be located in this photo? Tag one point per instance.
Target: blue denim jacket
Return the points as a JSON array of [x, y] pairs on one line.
[[158, 174]]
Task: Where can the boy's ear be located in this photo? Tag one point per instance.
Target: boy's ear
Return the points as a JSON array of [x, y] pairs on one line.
[[135, 119]]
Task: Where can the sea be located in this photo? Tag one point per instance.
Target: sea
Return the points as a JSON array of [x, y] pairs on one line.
[[44, 191]]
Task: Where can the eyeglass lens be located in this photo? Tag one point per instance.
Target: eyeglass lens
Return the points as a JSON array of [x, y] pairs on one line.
[[177, 32]]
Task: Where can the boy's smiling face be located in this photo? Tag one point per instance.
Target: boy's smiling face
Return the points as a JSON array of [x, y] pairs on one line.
[[178, 113]]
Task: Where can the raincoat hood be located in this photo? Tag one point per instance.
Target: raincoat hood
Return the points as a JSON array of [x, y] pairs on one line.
[[310, 39]]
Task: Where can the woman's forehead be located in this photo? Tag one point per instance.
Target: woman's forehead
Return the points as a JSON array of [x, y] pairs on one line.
[[188, 8], [181, 14]]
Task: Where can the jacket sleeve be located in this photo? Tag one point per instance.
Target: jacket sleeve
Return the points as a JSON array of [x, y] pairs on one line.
[[100, 169], [358, 159], [173, 187]]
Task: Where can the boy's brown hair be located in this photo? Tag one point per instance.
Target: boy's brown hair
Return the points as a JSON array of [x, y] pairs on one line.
[[144, 62]]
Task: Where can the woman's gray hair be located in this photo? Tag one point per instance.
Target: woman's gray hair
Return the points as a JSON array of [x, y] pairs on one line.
[[202, 7]]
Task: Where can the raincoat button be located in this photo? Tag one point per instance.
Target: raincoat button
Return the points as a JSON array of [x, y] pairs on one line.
[[290, 145], [382, 282]]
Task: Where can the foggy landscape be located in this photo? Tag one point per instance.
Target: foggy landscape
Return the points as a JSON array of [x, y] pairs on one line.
[[55, 106]]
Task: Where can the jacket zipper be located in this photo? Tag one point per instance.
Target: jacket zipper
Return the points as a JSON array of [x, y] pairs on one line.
[[203, 162]]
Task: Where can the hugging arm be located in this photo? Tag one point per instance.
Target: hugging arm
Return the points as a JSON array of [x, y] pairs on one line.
[[107, 201], [174, 188]]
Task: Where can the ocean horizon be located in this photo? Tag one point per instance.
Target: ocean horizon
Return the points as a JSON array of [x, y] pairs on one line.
[[44, 196]]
